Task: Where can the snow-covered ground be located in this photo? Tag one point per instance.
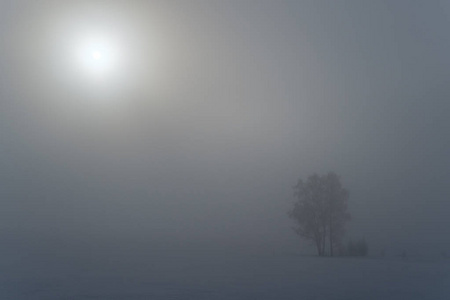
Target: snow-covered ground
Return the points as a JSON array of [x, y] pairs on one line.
[[204, 275]]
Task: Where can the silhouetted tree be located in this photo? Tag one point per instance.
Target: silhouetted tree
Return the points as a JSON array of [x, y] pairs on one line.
[[320, 210]]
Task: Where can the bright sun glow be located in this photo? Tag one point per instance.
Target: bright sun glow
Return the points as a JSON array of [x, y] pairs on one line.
[[107, 56], [98, 55]]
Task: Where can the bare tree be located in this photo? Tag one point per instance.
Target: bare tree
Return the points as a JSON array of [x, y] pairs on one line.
[[320, 210]]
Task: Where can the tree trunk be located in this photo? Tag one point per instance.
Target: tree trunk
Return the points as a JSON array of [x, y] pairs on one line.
[[318, 240], [324, 238], [331, 238], [319, 250]]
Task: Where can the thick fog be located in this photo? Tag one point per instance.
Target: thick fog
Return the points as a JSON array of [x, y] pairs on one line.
[[216, 110]]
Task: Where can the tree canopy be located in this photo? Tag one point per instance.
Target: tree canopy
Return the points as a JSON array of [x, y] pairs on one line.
[[320, 211]]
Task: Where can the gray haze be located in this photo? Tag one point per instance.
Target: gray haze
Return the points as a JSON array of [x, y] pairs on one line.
[[246, 97]]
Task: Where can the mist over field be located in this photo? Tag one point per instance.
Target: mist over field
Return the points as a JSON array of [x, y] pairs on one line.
[[150, 148]]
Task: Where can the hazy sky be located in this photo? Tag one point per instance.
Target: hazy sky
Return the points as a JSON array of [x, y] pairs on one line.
[[214, 110]]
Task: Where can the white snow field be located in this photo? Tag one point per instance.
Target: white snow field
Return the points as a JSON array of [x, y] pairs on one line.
[[203, 275]]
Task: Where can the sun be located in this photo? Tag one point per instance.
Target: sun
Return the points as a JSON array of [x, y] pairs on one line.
[[98, 55], [102, 54]]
